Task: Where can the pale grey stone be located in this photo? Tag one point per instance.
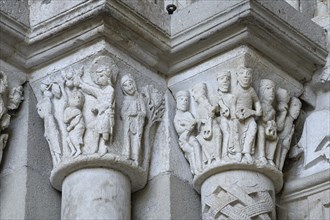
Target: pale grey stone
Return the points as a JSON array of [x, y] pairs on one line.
[[166, 54], [96, 193], [26, 167], [166, 197]]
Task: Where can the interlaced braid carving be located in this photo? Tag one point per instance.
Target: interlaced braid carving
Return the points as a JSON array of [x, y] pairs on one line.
[[238, 202]]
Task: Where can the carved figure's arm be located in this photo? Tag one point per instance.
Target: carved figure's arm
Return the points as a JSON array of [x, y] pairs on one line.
[[258, 111], [74, 122], [224, 110], [90, 90], [143, 107], [280, 120], [233, 108]]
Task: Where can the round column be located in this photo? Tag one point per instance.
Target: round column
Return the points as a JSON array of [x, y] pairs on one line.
[[96, 193], [238, 194]]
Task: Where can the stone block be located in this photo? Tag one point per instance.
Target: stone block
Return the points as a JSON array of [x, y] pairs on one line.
[[166, 197]]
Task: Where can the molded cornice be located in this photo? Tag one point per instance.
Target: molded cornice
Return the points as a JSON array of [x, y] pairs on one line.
[[171, 43]]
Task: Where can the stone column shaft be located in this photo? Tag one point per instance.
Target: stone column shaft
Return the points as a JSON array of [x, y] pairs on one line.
[[96, 193]]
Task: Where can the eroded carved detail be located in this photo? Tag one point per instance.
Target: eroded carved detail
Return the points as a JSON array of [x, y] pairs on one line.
[[285, 135], [185, 123], [133, 113], [45, 110], [79, 112], [10, 99], [209, 135], [243, 127], [267, 129], [103, 74], [247, 106]]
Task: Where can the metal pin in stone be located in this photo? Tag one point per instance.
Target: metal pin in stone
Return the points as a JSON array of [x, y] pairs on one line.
[[171, 8]]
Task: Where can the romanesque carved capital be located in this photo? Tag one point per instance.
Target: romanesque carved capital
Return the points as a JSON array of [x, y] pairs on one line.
[[10, 99], [96, 116], [245, 130]]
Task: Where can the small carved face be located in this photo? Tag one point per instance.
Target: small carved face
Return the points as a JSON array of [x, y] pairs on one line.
[[268, 93], [224, 83], [128, 87], [244, 78], [77, 99], [182, 103], [101, 75], [199, 92], [294, 109]]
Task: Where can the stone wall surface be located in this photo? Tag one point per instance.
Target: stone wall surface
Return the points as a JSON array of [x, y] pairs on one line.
[[164, 109]]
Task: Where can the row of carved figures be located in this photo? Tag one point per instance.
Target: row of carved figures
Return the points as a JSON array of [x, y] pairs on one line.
[[72, 89], [243, 127]]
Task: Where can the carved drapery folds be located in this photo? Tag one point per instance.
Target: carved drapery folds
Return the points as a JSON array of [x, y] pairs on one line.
[[96, 116], [10, 99], [242, 127], [245, 130]]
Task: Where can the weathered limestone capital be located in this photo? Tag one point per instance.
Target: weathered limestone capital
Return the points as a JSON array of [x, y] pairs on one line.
[[10, 98], [235, 75], [98, 125], [236, 141]]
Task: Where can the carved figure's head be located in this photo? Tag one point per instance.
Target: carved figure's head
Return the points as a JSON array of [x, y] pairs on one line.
[[183, 100], [45, 88], [223, 79], [104, 71], [128, 85], [267, 90], [295, 106], [282, 95], [244, 77], [15, 97], [77, 99], [199, 92], [3, 82], [283, 98]]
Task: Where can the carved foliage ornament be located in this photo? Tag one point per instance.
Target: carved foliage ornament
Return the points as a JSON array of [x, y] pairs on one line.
[[10, 99], [242, 127], [80, 118]]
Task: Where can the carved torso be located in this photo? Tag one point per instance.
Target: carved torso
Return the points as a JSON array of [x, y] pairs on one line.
[[245, 97], [268, 112]]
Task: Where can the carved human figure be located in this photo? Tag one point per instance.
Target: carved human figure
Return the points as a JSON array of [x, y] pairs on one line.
[[52, 135], [15, 97], [267, 130], [209, 134], [10, 98], [185, 126], [228, 121], [74, 120], [285, 136], [283, 98], [247, 107], [133, 113], [103, 73]]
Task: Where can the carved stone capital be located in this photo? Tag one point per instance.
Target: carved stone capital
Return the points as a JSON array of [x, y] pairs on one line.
[[235, 125], [96, 116]]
